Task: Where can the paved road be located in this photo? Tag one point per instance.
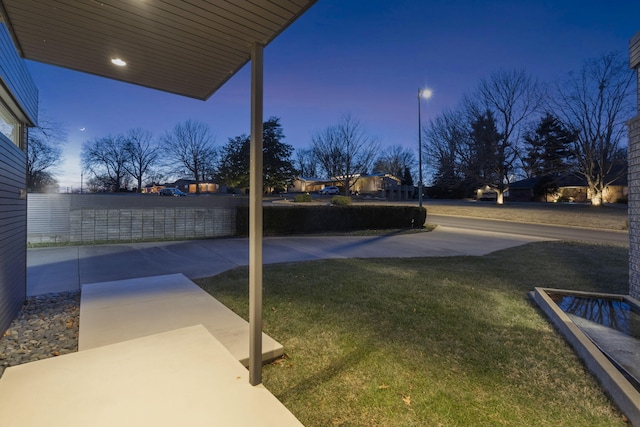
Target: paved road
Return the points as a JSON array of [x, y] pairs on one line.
[[610, 237]]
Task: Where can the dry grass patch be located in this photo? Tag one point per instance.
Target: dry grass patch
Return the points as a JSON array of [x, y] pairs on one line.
[[566, 214]]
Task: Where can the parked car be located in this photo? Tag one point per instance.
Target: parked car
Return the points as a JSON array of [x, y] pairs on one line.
[[172, 192], [330, 190]]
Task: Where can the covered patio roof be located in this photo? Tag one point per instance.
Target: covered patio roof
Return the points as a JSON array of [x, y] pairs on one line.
[[187, 47]]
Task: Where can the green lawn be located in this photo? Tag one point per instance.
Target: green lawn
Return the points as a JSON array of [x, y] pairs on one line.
[[430, 341]]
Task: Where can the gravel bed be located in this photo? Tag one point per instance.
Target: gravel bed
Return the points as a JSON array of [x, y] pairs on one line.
[[46, 326]]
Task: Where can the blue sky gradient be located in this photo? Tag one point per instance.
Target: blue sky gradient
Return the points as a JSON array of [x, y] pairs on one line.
[[363, 57]]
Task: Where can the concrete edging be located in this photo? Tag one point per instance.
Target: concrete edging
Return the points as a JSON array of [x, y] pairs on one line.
[[615, 384]]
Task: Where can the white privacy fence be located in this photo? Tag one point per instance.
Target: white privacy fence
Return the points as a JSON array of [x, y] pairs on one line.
[[123, 217]]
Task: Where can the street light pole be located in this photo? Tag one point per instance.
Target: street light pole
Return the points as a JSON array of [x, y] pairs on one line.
[[426, 94]]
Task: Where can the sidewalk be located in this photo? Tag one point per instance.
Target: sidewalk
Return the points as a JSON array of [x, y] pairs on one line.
[[180, 377], [66, 268], [155, 349]]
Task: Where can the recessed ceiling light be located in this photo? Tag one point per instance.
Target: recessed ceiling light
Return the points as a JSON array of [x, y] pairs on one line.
[[119, 62]]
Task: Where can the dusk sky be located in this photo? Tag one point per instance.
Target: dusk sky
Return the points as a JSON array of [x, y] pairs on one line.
[[363, 57]]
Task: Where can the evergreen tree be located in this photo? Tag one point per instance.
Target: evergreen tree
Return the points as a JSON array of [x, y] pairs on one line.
[[407, 178], [278, 169], [487, 160], [548, 154], [233, 169], [548, 148]]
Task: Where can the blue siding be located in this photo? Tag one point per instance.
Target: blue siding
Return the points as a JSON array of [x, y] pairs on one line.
[[13, 231], [16, 78], [20, 94]]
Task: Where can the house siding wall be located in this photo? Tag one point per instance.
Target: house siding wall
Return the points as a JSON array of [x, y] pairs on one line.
[[13, 231], [634, 181], [16, 80], [20, 95]]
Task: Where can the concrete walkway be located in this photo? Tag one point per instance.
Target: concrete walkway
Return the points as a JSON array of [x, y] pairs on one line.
[[66, 268], [122, 310], [183, 377], [155, 349]]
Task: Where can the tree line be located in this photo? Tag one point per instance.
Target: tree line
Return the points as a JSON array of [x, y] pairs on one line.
[[512, 126], [122, 162], [187, 151]]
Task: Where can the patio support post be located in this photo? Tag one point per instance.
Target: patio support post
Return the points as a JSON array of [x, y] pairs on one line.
[[255, 218], [419, 150]]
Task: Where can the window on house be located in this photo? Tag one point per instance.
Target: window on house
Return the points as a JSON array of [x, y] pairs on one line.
[[9, 125]]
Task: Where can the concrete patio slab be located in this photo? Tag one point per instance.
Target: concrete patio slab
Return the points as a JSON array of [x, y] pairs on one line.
[[179, 378], [123, 310]]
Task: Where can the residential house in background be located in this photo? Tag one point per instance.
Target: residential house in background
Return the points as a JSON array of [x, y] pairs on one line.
[[187, 186], [486, 194], [375, 183], [309, 185], [571, 188]]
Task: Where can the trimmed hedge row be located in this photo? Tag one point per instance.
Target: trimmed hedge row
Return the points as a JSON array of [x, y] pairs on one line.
[[317, 219]]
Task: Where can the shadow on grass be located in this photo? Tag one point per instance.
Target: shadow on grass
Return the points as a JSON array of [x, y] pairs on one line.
[[457, 335], [335, 369]]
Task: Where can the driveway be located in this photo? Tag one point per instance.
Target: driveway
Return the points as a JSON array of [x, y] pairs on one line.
[[66, 268]]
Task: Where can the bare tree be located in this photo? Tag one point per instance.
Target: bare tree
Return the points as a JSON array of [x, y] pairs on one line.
[[307, 163], [105, 159], [595, 103], [190, 145], [395, 160], [448, 151], [512, 97], [44, 154], [142, 154], [442, 138], [327, 150], [345, 151]]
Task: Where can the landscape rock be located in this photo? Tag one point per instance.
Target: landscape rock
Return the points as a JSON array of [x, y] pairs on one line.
[[46, 326]]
